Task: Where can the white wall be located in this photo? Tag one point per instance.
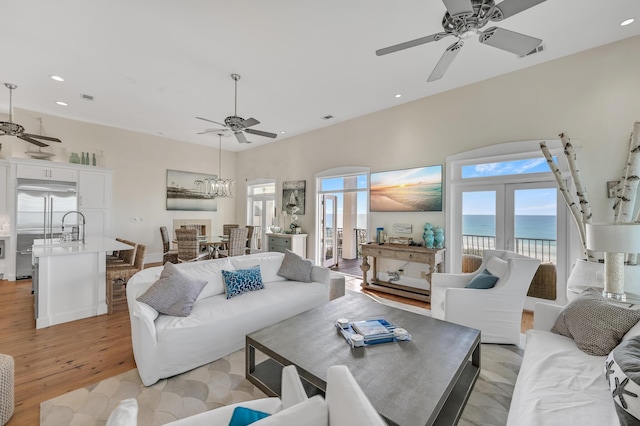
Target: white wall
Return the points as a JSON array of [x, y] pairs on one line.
[[593, 96], [139, 163]]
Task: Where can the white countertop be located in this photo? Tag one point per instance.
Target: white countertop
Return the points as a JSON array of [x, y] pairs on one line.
[[92, 245]]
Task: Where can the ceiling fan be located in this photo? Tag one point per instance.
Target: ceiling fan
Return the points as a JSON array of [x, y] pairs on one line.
[[464, 19], [14, 129], [238, 125]]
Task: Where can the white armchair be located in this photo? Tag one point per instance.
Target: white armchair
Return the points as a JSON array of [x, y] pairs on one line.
[[496, 312], [345, 404]]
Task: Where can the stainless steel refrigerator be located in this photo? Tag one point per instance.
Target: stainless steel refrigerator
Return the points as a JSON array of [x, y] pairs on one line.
[[40, 206]]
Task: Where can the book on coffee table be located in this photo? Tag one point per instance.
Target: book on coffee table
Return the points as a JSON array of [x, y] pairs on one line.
[[373, 329]]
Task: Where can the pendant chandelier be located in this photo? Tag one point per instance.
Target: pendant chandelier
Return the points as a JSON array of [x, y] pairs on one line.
[[221, 187]]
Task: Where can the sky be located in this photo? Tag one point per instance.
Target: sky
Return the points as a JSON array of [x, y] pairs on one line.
[[540, 201]]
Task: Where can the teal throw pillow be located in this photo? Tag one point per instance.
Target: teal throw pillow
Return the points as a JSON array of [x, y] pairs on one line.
[[242, 280], [483, 280], [245, 416]]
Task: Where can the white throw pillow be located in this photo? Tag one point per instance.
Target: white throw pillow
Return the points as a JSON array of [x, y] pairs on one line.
[[269, 264], [211, 272], [125, 414], [312, 412]]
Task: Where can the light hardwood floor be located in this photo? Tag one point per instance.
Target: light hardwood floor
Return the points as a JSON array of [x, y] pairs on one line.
[[59, 359]]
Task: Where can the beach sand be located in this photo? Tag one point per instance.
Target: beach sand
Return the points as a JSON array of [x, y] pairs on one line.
[[381, 203]]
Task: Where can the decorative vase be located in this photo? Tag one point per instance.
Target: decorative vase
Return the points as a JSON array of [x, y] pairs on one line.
[[439, 237], [73, 158], [427, 236]]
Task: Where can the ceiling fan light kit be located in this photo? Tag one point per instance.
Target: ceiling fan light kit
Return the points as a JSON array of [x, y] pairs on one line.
[[9, 128], [464, 19], [238, 125]]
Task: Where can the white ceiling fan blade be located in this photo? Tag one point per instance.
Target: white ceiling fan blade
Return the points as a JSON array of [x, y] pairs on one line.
[[458, 7], [260, 133], [249, 122], [212, 131], [510, 41], [412, 43], [445, 61], [241, 138], [509, 8], [211, 121]]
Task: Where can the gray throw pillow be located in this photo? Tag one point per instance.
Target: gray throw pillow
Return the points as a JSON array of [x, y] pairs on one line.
[[173, 293], [295, 268], [622, 371], [596, 325]]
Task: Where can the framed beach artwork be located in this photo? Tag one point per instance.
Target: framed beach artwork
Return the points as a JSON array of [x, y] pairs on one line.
[[190, 191], [409, 190], [293, 195]]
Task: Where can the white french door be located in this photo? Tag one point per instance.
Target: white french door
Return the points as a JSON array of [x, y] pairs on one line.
[[521, 217], [329, 230]]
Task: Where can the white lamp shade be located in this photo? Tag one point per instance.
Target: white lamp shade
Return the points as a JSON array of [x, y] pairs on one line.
[[613, 238]]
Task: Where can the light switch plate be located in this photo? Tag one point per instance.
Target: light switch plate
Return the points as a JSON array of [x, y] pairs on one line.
[[402, 228]]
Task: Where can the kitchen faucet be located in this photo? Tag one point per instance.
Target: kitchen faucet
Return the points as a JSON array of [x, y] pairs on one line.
[[83, 222]]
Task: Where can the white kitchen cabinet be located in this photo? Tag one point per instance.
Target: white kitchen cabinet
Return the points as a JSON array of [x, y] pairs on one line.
[[62, 174], [94, 200]]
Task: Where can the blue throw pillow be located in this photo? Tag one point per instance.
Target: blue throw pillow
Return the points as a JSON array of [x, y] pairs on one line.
[[245, 416], [242, 280], [483, 280]]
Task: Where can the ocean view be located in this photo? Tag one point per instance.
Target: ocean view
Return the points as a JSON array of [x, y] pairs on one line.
[[540, 227], [528, 228]]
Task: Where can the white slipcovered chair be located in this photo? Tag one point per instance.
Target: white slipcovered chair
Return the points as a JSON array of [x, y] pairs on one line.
[[496, 312], [345, 404]]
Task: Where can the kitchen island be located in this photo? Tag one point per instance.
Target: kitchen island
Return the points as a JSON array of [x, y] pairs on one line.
[[69, 280]]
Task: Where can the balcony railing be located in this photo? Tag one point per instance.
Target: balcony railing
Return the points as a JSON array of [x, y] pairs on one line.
[[538, 248]]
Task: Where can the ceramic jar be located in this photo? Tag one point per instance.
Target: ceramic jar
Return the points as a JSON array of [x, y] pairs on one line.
[[428, 235]]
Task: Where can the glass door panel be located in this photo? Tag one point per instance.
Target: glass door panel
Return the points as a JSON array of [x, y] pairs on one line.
[[329, 237], [478, 222], [535, 222]]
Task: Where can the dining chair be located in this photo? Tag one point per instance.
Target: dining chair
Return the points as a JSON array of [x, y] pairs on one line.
[[249, 246], [237, 244], [168, 254], [188, 246], [225, 232], [118, 275], [124, 256]]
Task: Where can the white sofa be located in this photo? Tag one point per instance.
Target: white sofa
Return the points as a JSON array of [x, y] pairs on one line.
[[559, 384], [164, 345]]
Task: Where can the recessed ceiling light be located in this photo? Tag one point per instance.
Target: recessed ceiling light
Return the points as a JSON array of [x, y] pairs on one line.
[[56, 78], [398, 95], [626, 22], [283, 132], [62, 103]]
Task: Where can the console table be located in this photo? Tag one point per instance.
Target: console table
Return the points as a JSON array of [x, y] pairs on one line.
[[432, 257]]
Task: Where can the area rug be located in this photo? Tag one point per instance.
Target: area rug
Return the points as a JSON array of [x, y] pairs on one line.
[[222, 382]]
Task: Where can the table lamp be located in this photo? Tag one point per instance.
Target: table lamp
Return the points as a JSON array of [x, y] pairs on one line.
[[615, 240]]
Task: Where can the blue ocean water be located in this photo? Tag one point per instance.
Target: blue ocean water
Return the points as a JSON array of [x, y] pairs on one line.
[[527, 226]]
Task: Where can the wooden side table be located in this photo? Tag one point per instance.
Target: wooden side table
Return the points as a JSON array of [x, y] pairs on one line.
[[432, 257]]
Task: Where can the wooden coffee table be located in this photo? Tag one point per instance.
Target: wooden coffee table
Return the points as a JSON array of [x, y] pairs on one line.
[[425, 381]]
